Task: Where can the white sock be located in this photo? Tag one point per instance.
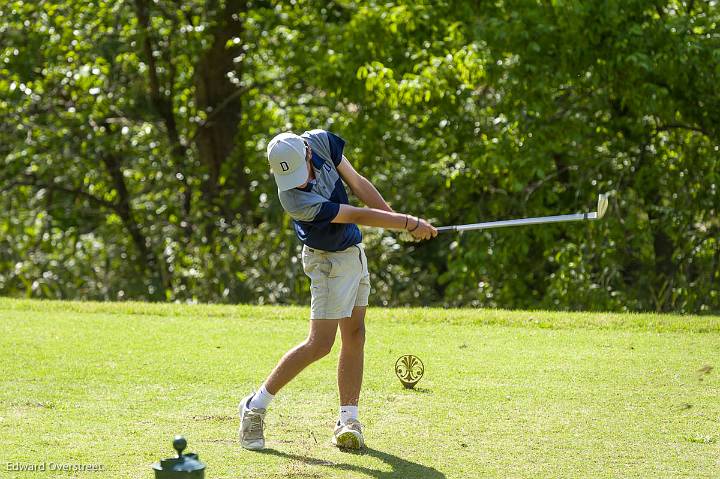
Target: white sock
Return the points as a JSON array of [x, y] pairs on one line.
[[348, 412], [261, 399]]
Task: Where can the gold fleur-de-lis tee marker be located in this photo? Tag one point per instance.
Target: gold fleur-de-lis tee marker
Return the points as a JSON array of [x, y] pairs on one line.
[[409, 369]]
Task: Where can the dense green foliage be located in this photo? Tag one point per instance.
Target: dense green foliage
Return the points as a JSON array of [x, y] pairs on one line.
[[133, 136]]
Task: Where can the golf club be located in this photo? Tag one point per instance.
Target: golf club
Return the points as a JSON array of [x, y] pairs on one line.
[[595, 215]]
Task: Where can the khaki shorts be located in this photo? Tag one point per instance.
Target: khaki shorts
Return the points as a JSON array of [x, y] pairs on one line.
[[339, 281]]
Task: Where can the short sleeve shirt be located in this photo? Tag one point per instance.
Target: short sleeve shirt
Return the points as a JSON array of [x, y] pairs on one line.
[[314, 207]]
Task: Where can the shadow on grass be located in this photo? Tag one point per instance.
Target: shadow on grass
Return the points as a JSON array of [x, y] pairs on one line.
[[419, 391], [401, 467]]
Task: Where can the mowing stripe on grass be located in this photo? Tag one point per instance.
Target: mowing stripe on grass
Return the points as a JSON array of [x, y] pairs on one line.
[[467, 316]]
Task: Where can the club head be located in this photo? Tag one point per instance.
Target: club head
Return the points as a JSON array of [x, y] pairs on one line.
[[602, 205]]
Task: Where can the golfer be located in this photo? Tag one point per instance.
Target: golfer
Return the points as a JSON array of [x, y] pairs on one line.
[[309, 170]]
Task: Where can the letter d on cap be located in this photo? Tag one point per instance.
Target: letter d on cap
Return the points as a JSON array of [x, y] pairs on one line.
[[284, 166]]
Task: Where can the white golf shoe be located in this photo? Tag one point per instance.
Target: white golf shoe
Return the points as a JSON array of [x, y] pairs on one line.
[[348, 435], [252, 425]]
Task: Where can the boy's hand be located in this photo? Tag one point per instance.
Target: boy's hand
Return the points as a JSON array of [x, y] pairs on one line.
[[421, 229]]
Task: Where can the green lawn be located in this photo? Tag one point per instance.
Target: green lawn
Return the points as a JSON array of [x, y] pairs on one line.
[[505, 394]]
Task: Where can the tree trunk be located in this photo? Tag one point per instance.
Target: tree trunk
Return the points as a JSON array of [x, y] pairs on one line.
[[218, 97], [147, 259]]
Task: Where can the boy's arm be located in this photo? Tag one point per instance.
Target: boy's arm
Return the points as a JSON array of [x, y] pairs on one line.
[[379, 213], [374, 217], [418, 227], [361, 186]]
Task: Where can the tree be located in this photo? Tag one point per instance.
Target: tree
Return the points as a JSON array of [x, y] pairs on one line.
[[133, 147]]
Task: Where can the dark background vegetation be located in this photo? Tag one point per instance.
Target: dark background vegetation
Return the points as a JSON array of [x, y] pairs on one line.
[[133, 135]]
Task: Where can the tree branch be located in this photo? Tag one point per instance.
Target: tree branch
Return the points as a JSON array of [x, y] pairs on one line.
[[33, 180], [680, 126]]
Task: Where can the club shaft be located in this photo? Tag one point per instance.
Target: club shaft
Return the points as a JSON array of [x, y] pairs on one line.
[[519, 222]]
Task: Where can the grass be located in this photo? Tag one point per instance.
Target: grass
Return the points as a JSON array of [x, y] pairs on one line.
[[505, 394]]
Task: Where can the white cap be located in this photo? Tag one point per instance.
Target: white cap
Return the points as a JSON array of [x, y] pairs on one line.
[[286, 154]]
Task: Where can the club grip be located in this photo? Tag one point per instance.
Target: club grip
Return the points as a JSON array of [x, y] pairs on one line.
[[446, 229]]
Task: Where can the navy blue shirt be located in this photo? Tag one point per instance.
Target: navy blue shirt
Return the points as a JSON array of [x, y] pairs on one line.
[[314, 207]]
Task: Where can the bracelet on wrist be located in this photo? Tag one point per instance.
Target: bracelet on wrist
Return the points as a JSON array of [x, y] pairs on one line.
[[406, 220], [416, 226]]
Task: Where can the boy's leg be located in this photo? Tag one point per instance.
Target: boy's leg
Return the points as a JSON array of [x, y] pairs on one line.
[[348, 431], [252, 415], [350, 365], [317, 345]]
